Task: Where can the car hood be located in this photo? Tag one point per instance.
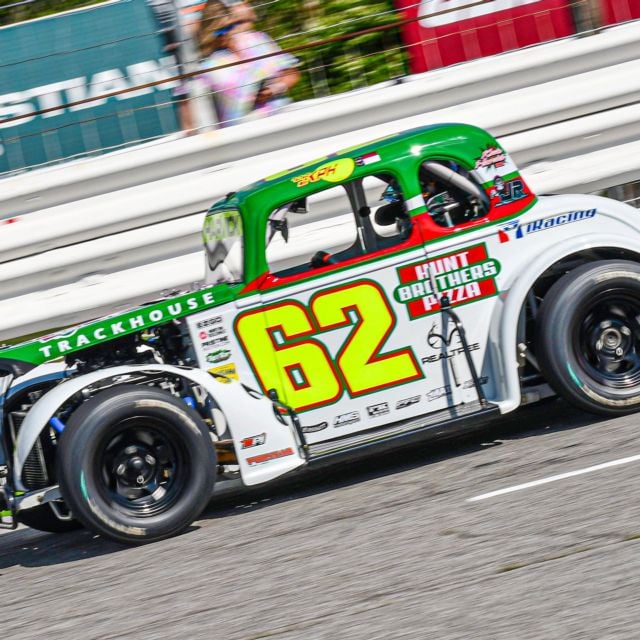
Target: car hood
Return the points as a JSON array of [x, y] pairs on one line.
[[22, 357]]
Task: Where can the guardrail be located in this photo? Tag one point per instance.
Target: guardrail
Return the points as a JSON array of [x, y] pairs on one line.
[[68, 263], [530, 114], [316, 120], [61, 288]]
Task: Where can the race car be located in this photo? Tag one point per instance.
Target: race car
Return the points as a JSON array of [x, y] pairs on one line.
[[410, 287]]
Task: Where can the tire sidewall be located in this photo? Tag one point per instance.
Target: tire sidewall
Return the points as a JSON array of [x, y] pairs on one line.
[[91, 427], [559, 323]]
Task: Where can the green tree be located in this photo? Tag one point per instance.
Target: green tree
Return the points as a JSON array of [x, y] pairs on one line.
[[330, 68], [37, 9], [343, 65]]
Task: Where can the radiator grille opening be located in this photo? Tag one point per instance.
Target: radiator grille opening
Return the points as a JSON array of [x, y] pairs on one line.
[[35, 474]]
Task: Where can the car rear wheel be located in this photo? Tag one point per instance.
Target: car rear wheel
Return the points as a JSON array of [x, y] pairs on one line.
[[136, 464], [588, 337]]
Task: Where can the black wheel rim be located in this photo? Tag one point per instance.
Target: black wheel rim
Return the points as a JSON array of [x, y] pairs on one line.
[[608, 340], [142, 467]]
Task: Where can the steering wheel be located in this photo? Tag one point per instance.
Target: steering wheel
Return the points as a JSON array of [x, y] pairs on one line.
[[442, 205]]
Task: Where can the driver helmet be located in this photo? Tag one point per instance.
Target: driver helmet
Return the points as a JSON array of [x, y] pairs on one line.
[[391, 194]]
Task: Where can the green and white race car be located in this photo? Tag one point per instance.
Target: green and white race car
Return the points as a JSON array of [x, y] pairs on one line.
[[412, 286]]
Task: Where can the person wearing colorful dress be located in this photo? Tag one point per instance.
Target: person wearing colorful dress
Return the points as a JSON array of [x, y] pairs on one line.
[[255, 87]]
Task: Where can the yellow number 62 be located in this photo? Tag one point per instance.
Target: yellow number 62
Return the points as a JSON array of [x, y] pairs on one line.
[[278, 344]]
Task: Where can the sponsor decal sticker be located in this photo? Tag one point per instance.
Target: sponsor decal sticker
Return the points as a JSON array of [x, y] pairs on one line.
[[215, 342], [439, 341], [407, 402], [506, 192], [314, 428], [379, 409], [215, 331], [335, 171], [463, 276], [346, 418], [220, 355], [95, 333], [253, 441], [442, 343], [447, 355], [209, 322], [225, 373], [220, 225], [268, 457], [515, 230], [468, 384], [367, 158], [491, 158], [439, 392]]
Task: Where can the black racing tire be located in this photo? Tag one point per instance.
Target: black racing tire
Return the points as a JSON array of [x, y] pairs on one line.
[[588, 337], [43, 518], [136, 464]]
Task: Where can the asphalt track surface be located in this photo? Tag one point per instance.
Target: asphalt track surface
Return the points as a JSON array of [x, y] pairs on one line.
[[388, 547]]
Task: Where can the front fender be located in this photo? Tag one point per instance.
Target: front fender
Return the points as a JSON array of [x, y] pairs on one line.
[[505, 317], [247, 414]]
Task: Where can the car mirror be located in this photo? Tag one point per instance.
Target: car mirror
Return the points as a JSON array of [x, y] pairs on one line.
[[278, 222], [279, 225], [298, 206]]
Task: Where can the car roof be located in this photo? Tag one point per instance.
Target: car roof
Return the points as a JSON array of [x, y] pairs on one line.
[[461, 141]]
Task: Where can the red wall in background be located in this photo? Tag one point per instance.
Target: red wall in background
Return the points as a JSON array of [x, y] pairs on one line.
[[494, 27], [619, 10]]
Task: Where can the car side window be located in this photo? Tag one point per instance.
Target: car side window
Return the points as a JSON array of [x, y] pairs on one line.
[[336, 224], [388, 213], [453, 195], [298, 230]]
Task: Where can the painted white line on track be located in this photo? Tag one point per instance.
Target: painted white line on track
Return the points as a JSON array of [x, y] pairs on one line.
[[560, 476]]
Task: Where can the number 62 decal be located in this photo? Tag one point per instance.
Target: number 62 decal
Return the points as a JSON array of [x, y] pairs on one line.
[[279, 342]]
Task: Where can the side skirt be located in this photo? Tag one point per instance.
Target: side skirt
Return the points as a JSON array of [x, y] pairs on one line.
[[447, 422]]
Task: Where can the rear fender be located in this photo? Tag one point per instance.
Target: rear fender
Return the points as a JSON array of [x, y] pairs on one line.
[[505, 319], [247, 413]]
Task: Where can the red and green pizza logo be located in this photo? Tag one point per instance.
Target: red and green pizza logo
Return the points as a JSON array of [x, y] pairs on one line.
[[464, 276]]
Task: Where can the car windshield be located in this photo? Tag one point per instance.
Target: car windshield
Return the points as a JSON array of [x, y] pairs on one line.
[[222, 235]]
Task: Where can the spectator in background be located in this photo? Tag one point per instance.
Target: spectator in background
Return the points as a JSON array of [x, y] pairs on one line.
[[191, 12], [587, 15], [257, 87], [168, 18], [168, 21]]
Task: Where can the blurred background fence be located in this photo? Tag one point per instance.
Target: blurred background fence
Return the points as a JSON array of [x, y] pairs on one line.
[[83, 238], [101, 76], [48, 63]]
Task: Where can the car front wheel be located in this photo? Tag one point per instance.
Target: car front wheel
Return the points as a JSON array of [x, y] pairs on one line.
[[136, 464]]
